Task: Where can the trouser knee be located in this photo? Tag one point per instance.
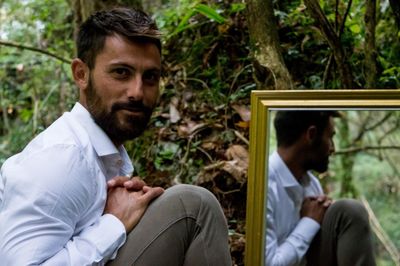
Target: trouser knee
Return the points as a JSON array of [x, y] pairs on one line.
[[195, 199], [349, 209]]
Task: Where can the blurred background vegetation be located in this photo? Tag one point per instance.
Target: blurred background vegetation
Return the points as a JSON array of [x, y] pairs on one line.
[[215, 52]]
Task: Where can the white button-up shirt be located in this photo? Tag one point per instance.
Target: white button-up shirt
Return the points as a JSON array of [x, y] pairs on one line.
[[53, 193], [288, 236]]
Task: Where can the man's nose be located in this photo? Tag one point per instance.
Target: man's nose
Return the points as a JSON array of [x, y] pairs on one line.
[[135, 89], [332, 148]]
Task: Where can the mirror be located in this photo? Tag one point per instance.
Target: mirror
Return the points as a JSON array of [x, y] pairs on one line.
[[371, 117]]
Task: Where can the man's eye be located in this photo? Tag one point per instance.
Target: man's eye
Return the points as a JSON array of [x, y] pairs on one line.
[[152, 76], [121, 72]]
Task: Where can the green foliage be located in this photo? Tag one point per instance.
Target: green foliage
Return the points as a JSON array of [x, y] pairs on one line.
[[306, 53], [35, 89]]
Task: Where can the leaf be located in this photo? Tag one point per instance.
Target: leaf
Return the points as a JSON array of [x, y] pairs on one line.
[[237, 7], [355, 28], [243, 111], [243, 124], [239, 154], [191, 128], [174, 115], [238, 163], [183, 24], [26, 115], [209, 12]]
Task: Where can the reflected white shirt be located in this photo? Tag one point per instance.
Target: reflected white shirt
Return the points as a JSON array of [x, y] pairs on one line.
[[53, 193], [288, 237]]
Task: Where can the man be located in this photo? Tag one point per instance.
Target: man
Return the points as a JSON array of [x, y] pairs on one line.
[[304, 227], [66, 199]]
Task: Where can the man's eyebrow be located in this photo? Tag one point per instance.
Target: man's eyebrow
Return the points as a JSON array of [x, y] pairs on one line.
[[120, 65], [112, 65]]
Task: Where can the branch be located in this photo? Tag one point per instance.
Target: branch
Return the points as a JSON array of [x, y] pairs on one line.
[[31, 48], [337, 15], [386, 133], [381, 234], [380, 122], [344, 18], [334, 43], [366, 148], [371, 53], [365, 128], [327, 71]]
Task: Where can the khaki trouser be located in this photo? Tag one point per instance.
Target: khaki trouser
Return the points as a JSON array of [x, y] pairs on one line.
[[184, 226], [345, 237]]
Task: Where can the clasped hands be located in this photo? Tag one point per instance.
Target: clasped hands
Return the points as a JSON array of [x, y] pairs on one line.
[[315, 207], [127, 199]]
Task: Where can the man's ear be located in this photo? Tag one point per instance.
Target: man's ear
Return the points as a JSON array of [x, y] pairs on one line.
[[311, 134], [80, 73]]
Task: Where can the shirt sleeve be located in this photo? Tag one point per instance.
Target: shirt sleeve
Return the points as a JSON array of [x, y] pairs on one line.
[[293, 248], [44, 196]]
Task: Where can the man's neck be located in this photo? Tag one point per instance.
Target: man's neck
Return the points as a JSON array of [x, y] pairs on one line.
[[292, 161]]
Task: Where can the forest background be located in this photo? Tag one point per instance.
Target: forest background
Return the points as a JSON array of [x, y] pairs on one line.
[[215, 53]]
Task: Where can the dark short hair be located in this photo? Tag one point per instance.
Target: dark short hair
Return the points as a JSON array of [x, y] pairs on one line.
[[133, 24], [290, 125]]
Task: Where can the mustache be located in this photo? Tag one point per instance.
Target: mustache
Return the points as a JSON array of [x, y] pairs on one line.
[[135, 106]]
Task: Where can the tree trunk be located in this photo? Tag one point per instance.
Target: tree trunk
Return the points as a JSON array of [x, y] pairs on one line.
[[347, 162], [269, 67], [370, 47], [334, 43]]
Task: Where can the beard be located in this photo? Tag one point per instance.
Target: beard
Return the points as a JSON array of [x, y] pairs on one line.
[[320, 165], [320, 160], [118, 124]]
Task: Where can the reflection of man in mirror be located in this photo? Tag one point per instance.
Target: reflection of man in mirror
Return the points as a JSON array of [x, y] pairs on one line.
[[304, 226]]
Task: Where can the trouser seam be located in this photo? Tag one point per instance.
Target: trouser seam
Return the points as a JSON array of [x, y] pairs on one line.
[[197, 224], [186, 215], [161, 232]]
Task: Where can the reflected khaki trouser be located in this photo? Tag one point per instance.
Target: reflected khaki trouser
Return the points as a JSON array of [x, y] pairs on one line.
[[345, 237], [184, 226]]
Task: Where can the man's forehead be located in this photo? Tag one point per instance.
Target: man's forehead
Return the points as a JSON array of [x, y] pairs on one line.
[[119, 50], [331, 124]]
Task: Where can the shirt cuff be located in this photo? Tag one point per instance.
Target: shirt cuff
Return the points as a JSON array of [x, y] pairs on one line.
[[307, 228], [108, 235], [302, 236]]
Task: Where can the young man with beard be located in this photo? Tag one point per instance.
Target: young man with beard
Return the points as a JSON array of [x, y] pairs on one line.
[[304, 226], [67, 198]]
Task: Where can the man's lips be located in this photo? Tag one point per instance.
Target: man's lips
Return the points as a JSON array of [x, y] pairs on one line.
[[133, 110]]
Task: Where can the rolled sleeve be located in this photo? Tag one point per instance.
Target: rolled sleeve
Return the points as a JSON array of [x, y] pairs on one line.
[[302, 235]]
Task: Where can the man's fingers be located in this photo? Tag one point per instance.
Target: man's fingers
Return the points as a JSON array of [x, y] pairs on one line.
[[134, 184], [151, 192], [117, 181], [321, 198], [327, 203], [123, 181]]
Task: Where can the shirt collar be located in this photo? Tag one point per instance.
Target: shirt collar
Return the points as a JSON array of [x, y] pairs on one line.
[[99, 139], [285, 175]]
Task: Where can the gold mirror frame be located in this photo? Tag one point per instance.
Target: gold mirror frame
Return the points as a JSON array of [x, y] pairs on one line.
[[262, 102]]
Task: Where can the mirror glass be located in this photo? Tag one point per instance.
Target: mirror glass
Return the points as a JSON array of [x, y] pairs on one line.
[[365, 164]]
